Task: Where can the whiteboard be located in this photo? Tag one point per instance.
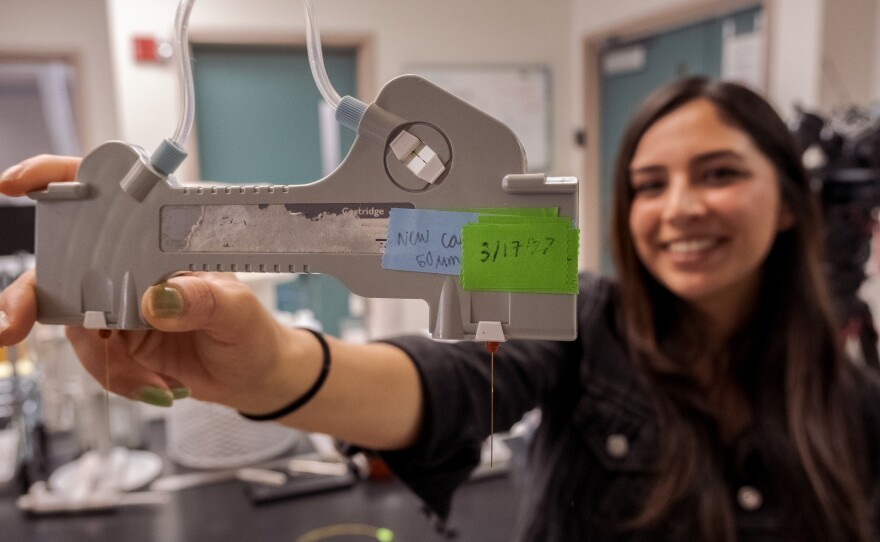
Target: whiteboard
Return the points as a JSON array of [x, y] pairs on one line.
[[519, 96]]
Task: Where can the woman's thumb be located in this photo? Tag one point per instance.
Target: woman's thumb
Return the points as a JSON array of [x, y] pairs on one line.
[[190, 303]]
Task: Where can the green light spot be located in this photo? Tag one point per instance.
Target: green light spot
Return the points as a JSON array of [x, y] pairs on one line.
[[384, 535]]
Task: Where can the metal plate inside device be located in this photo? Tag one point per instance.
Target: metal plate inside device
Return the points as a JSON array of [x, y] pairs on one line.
[[354, 228]]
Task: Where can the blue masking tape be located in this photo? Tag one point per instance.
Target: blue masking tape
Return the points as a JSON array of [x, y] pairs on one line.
[[425, 241]]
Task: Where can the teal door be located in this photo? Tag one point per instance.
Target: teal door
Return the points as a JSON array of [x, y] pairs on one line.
[[694, 49], [257, 121]]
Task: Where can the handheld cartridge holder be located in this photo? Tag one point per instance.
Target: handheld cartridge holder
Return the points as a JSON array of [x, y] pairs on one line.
[[123, 225]]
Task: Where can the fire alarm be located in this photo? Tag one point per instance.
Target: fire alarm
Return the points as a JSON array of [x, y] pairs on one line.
[[145, 49], [149, 49]]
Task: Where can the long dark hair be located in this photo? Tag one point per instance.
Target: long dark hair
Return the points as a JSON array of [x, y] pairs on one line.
[[786, 360]]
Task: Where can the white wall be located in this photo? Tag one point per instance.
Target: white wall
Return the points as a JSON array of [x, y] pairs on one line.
[[78, 29], [848, 53], [875, 82], [796, 41]]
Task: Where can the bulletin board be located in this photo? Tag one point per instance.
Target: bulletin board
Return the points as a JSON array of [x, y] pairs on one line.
[[520, 96]]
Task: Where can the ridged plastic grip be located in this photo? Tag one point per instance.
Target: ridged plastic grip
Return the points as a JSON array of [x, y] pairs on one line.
[[350, 112], [168, 157]]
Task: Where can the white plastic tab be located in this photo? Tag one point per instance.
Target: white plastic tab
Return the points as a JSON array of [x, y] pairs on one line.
[[405, 145], [61, 191], [490, 331], [95, 320], [433, 167]]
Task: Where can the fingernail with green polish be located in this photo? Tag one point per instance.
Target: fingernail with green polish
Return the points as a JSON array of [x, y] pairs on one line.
[[180, 393], [165, 301], [155, 396]]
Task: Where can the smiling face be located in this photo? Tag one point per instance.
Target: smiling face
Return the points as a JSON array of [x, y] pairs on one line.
[[706, 208]]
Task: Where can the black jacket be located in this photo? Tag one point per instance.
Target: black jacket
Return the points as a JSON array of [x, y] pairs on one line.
[[591, 459]]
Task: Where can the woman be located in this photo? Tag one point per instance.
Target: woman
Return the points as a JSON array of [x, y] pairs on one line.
[[706, 398]]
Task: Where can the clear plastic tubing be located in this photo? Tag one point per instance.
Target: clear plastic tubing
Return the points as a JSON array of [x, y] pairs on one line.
[[316, 57], [184, 70]]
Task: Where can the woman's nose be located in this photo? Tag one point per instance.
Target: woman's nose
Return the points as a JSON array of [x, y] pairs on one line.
[[684, 201]]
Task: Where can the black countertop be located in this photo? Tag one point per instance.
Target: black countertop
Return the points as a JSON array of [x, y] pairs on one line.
[[483, 511]]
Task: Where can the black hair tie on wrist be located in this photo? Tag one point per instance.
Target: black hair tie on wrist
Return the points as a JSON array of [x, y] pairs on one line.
[[307, 396]]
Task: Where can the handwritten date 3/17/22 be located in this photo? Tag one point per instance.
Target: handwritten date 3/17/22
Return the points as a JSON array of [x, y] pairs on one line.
[[493, 251]]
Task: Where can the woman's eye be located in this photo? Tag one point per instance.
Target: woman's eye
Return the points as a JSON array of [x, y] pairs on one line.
[[722, 175], [648, 187]]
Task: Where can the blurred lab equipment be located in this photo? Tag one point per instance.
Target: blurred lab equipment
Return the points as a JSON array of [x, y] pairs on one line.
[[23, 443], [842, 153], [209, 436], [110, 469], [45, 393]]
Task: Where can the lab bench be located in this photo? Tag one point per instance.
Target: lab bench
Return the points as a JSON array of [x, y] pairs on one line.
[[484, 510]]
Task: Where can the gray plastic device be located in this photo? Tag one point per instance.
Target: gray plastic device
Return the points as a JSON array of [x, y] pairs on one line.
[[124, 226]]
